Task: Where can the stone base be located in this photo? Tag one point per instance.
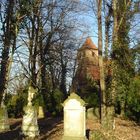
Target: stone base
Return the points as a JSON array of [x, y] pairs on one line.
[[29, 123], [73, 138], [30, 131], [4, 124]]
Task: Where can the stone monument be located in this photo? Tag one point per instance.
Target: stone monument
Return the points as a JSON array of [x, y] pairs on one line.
[[29, 123], [74, 118], [4, 124], [40, 112], [31, 93]]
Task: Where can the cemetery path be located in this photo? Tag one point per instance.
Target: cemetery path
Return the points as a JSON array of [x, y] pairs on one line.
[[49, 128], [52, 129]]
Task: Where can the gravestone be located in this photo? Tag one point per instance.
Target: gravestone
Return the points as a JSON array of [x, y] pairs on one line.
[[40, 112], [74, 118], [4, 124], [29, 122]]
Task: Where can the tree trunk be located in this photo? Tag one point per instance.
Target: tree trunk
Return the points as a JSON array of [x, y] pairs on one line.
[[107, 27], [102, 80], [112, 95], [114, 45], [63, 79], [7, 29]]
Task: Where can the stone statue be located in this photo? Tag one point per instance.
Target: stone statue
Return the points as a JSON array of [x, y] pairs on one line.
[[31, 93], [29, 123]]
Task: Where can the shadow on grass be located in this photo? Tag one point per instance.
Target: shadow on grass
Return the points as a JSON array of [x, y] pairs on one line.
[[46, 126], [87, 133], [13, 133], [49, 127]]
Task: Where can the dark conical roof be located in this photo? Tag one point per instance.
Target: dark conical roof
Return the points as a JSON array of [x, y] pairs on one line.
[[88, 45]]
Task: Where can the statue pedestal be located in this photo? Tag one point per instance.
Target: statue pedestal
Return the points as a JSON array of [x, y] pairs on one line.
[[4, 124], [29, 123]]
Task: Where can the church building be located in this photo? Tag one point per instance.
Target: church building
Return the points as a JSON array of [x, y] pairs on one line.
[[87, 66]]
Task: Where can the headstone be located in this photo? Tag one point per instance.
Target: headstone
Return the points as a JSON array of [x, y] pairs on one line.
[[74, 118], [40, 112], [29, 122], [4, 124]]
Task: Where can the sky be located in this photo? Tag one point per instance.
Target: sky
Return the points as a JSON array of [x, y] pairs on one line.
[[89, 27]]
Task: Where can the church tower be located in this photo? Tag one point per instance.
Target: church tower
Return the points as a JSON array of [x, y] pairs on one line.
[[87, 65]]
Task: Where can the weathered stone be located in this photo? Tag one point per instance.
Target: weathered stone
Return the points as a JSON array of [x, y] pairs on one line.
[[74, 118], [87, 60], [29, 123], [31, 93], [40, 112], [4, 124]]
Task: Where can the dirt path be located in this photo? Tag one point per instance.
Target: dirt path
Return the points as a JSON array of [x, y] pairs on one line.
[[52, 129]]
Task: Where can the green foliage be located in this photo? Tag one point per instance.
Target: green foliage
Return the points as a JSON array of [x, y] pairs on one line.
[[133, 100], [57, 99], [25, 6], [123, 82], [92, 99], [15, 103], [2, 112], [90, 92], [38, 99], [128, 97], [53, 101], [122, 59]]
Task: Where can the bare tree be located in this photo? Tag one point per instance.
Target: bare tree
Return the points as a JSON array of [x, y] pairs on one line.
[[9, 27]]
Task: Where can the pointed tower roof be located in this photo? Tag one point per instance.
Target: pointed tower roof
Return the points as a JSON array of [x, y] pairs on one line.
[[88, 45]]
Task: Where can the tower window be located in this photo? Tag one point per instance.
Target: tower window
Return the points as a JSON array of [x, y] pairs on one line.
[[84, 54]]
